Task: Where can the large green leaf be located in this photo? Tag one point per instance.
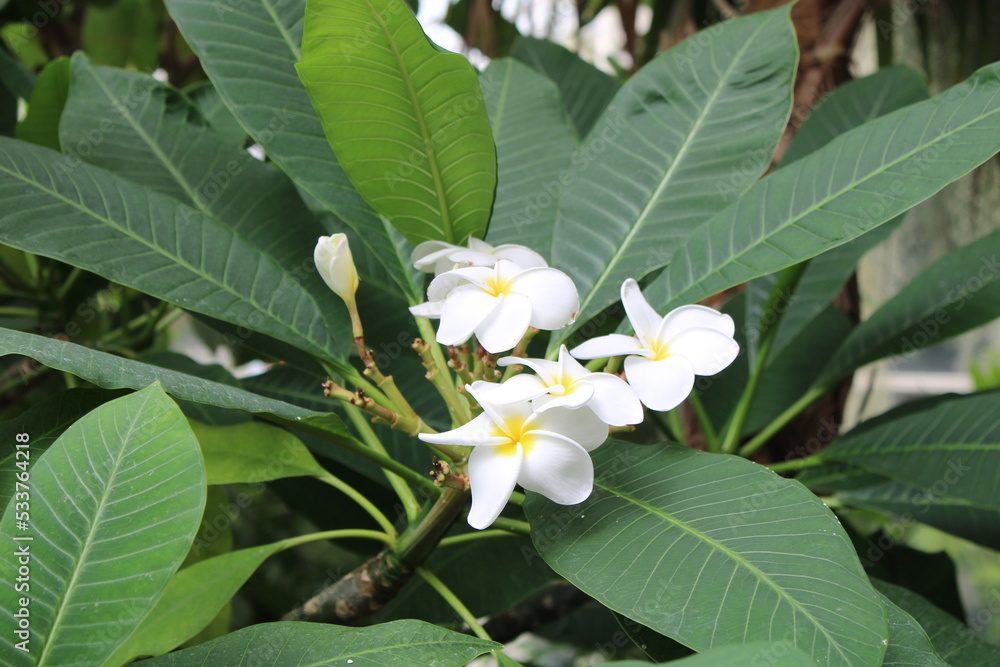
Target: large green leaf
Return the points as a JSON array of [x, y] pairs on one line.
[[713, 550], [681, 139], [114, 505], [844, 109], [956, 293], [860, 180], [153, 243], [950, 449], [909, 645], [41, 124], [954, 642], [857, 487], [252, 452], [162, 142], [586, 91], [385, 645], [249, 49], [44, 423], [776, 654], [405, 118], [534, 143]]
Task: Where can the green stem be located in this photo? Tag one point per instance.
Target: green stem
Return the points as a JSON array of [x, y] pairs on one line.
[[68, 283], [595, 365], [781, 420], [419, 540], [517, 498], [770, 317], [15, 311], [711, 437], [797, 464], [403, 491], [439, 374], [469, 537], [362, 502], [351, 445], [674, 419], [336, 535], [453, 601], [513, 525]]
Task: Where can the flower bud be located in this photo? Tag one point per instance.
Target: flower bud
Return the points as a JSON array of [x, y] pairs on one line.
[[335, 264]]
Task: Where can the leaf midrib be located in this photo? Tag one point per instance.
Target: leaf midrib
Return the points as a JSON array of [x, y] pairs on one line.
[[734, 556], [285, 35], [667, 177], [418, 113], [691, 283]]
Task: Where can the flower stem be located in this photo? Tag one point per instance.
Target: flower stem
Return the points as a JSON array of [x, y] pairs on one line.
[[711, 437], [440, 377], [469, 537], [335, 535], [403, 492], [797, 464], [788, 415], [453, 601], [362, 502], [674, 419], [513, 525]]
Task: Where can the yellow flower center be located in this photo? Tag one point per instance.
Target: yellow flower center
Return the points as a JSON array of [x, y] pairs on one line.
[[514, 430], [497, 285], [661, 350]]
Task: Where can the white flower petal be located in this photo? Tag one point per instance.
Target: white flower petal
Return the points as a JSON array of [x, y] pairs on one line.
[[578, 395], [500, 413], [581, 425], [479, 245], [614, 401], [707, 350], [569, 368], [611, 345], [518, 389], [547, 370], [644, 319], [555, 301], [661, 385], [442, 286], [480, 431], [429, 309], [557, 468], [472, 258], [427, 254], [505, 326], [493, 472], [522, 256], [464, 310], [689, 317]]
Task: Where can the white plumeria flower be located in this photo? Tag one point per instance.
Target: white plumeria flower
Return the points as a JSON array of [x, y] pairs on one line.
[[498, 304], [667, 352], [545, 452], [437, 256], [566, 383]]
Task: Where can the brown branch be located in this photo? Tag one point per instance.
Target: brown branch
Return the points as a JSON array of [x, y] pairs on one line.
[[542, 608]]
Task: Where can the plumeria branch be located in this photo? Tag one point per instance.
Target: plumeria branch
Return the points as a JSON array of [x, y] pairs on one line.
[[437, 373]]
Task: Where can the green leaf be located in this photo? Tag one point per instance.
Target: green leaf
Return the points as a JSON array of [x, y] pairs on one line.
[[776, 654], [958, 292], [488, 575], [534, 143], [252, 452], [162, 142], [857, 487], [847, 107], [207, 414], [406, 120], [951, 448], [124, 33], [271, 104], [860, 180], [712, 550], [632, 201], [207, 100], [115, 503], [279, 644], [41, 124], [194, 596], [908, 643], [44, 423], [15, 77], [152, 243], [954, 642], [586, 91]]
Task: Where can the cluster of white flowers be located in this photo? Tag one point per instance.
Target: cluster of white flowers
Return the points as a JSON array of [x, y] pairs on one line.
[[536, 430]]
